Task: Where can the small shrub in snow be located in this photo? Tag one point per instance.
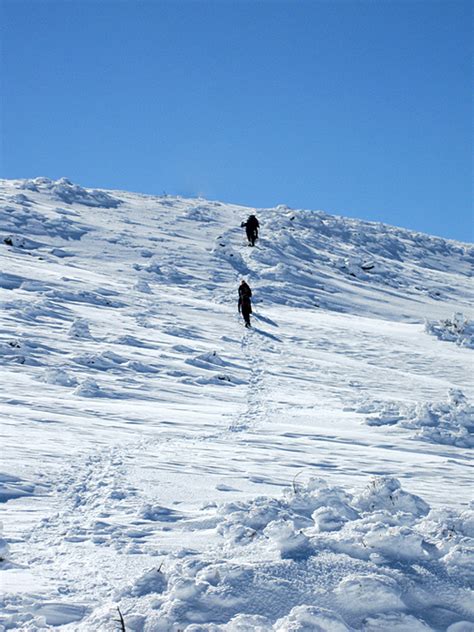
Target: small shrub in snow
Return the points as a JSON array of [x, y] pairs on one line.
[[457, 329], [386, 493]]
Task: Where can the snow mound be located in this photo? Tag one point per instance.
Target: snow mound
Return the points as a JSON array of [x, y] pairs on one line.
[[168, 273], [100, 296], [152, 581], [79, 329], [20, 242], [386, 494], [396, 622], [370, 593], [43, 616], [450, 422], [60, 377], [310, 619], [275, 570], [21, 351], [142, 286], [100, 361], [208, 360], [200, 213], [64, 190], [458, 329], [22, 218], [88, 388]]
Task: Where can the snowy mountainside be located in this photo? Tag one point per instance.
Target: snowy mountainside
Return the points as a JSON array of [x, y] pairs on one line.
[[299, 252], [313, 473]]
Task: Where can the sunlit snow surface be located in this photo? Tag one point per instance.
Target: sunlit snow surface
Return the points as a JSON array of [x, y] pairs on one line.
[[313, 473]]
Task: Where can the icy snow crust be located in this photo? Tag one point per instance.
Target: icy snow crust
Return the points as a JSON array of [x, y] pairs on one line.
[[311, 474]]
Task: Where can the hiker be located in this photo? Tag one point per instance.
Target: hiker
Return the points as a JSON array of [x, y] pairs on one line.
[[245, 305], [251, 228]]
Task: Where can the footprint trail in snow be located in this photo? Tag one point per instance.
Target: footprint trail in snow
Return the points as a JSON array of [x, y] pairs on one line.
[[311, 473]]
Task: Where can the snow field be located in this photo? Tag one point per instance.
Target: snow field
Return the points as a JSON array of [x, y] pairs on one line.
[[313, 473]]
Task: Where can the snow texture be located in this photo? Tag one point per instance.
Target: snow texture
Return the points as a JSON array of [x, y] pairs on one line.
[[450, 422], [311, 474], [457, 329]]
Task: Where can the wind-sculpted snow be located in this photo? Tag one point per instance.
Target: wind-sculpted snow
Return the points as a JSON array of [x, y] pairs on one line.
[[450, 422], [157, 457], [22, 351], [457, 329], [374, 256], [387, 561], [59, 377], [294, 261], [304, 258], [79, 329], [13, 487], [21, 243], [387, 242], [20, 220], [66, 191]]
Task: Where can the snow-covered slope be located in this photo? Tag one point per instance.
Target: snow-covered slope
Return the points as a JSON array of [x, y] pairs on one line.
[[312, 473]]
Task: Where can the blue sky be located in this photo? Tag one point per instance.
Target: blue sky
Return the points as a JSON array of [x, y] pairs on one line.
[[358, 108]]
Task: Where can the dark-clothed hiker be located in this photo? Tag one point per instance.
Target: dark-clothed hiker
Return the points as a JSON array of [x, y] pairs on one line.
[[251, 228], [245, 304]]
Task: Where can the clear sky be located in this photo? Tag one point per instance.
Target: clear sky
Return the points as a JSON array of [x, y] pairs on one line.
[[359, 108]]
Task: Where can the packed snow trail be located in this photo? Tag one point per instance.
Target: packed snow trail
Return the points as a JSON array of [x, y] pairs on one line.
[[159, 457]]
